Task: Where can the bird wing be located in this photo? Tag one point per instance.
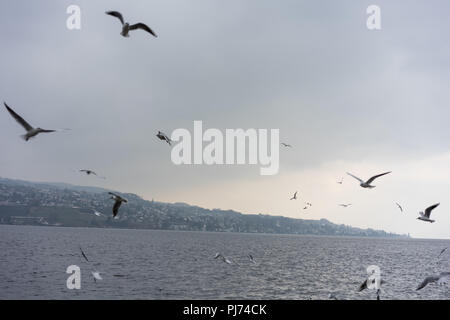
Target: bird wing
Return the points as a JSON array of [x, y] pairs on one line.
[[43, 130], [82, 253], [427, 281], [399, 206], [116, 14], [113, 194], [429, 209], [355, 177], [18, 118], [97, 275], [143, 27], [363, 286], [116, 207], [378, 175], [442, 251]]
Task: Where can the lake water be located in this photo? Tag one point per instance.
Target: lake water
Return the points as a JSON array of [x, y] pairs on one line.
[[150, 264]]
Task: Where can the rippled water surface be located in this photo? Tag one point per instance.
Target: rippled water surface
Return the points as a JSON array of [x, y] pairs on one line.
[[149, 264]]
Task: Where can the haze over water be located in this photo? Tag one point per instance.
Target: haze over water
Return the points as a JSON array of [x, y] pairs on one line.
[[151, 264]]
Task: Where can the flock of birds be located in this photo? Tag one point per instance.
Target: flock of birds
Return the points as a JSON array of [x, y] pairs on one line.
[[425, 215], [31, 132]]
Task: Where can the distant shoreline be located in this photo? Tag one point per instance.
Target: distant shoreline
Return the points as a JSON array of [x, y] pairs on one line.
[[226, 232]]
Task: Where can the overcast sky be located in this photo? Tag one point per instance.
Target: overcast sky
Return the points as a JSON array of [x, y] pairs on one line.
[[346, 98]]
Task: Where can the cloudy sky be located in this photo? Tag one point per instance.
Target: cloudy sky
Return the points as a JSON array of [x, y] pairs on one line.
[[346, 98]]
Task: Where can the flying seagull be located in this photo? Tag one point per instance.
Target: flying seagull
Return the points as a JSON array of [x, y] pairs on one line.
[[96, 276], [163, 136], [31, 132], [286, 145], [367, 184], [118, 202], [442, 251], [219, 255], [294, 197], [441, 279], [89, 172], [126, 27], [342, 180], [399, 206], [426, 216], [251, 259], [97, 213], [345, 205]]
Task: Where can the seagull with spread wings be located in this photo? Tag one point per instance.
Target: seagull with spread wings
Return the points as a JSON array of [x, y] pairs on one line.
[[294, 197], [367, 184], [126, 27], [441, 279], [89, 172], [286, 145], [118, 202], [31, 132], [224, 259], [426, 216]]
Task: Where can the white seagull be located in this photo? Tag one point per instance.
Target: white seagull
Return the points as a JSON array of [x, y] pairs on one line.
[[251, 259], [426, 216], [117, 204], [31, 132], [441, 279], [367, 184], [399, 206], [342, 180], [345, 205], [96, 275], [126, 27], [286, 145], [294, 197], [163, 136], [219, 255]]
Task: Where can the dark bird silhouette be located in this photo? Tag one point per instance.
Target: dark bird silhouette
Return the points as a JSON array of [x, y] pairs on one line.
[[163, 136], [442, 251], [118, 201], [126, 27]]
